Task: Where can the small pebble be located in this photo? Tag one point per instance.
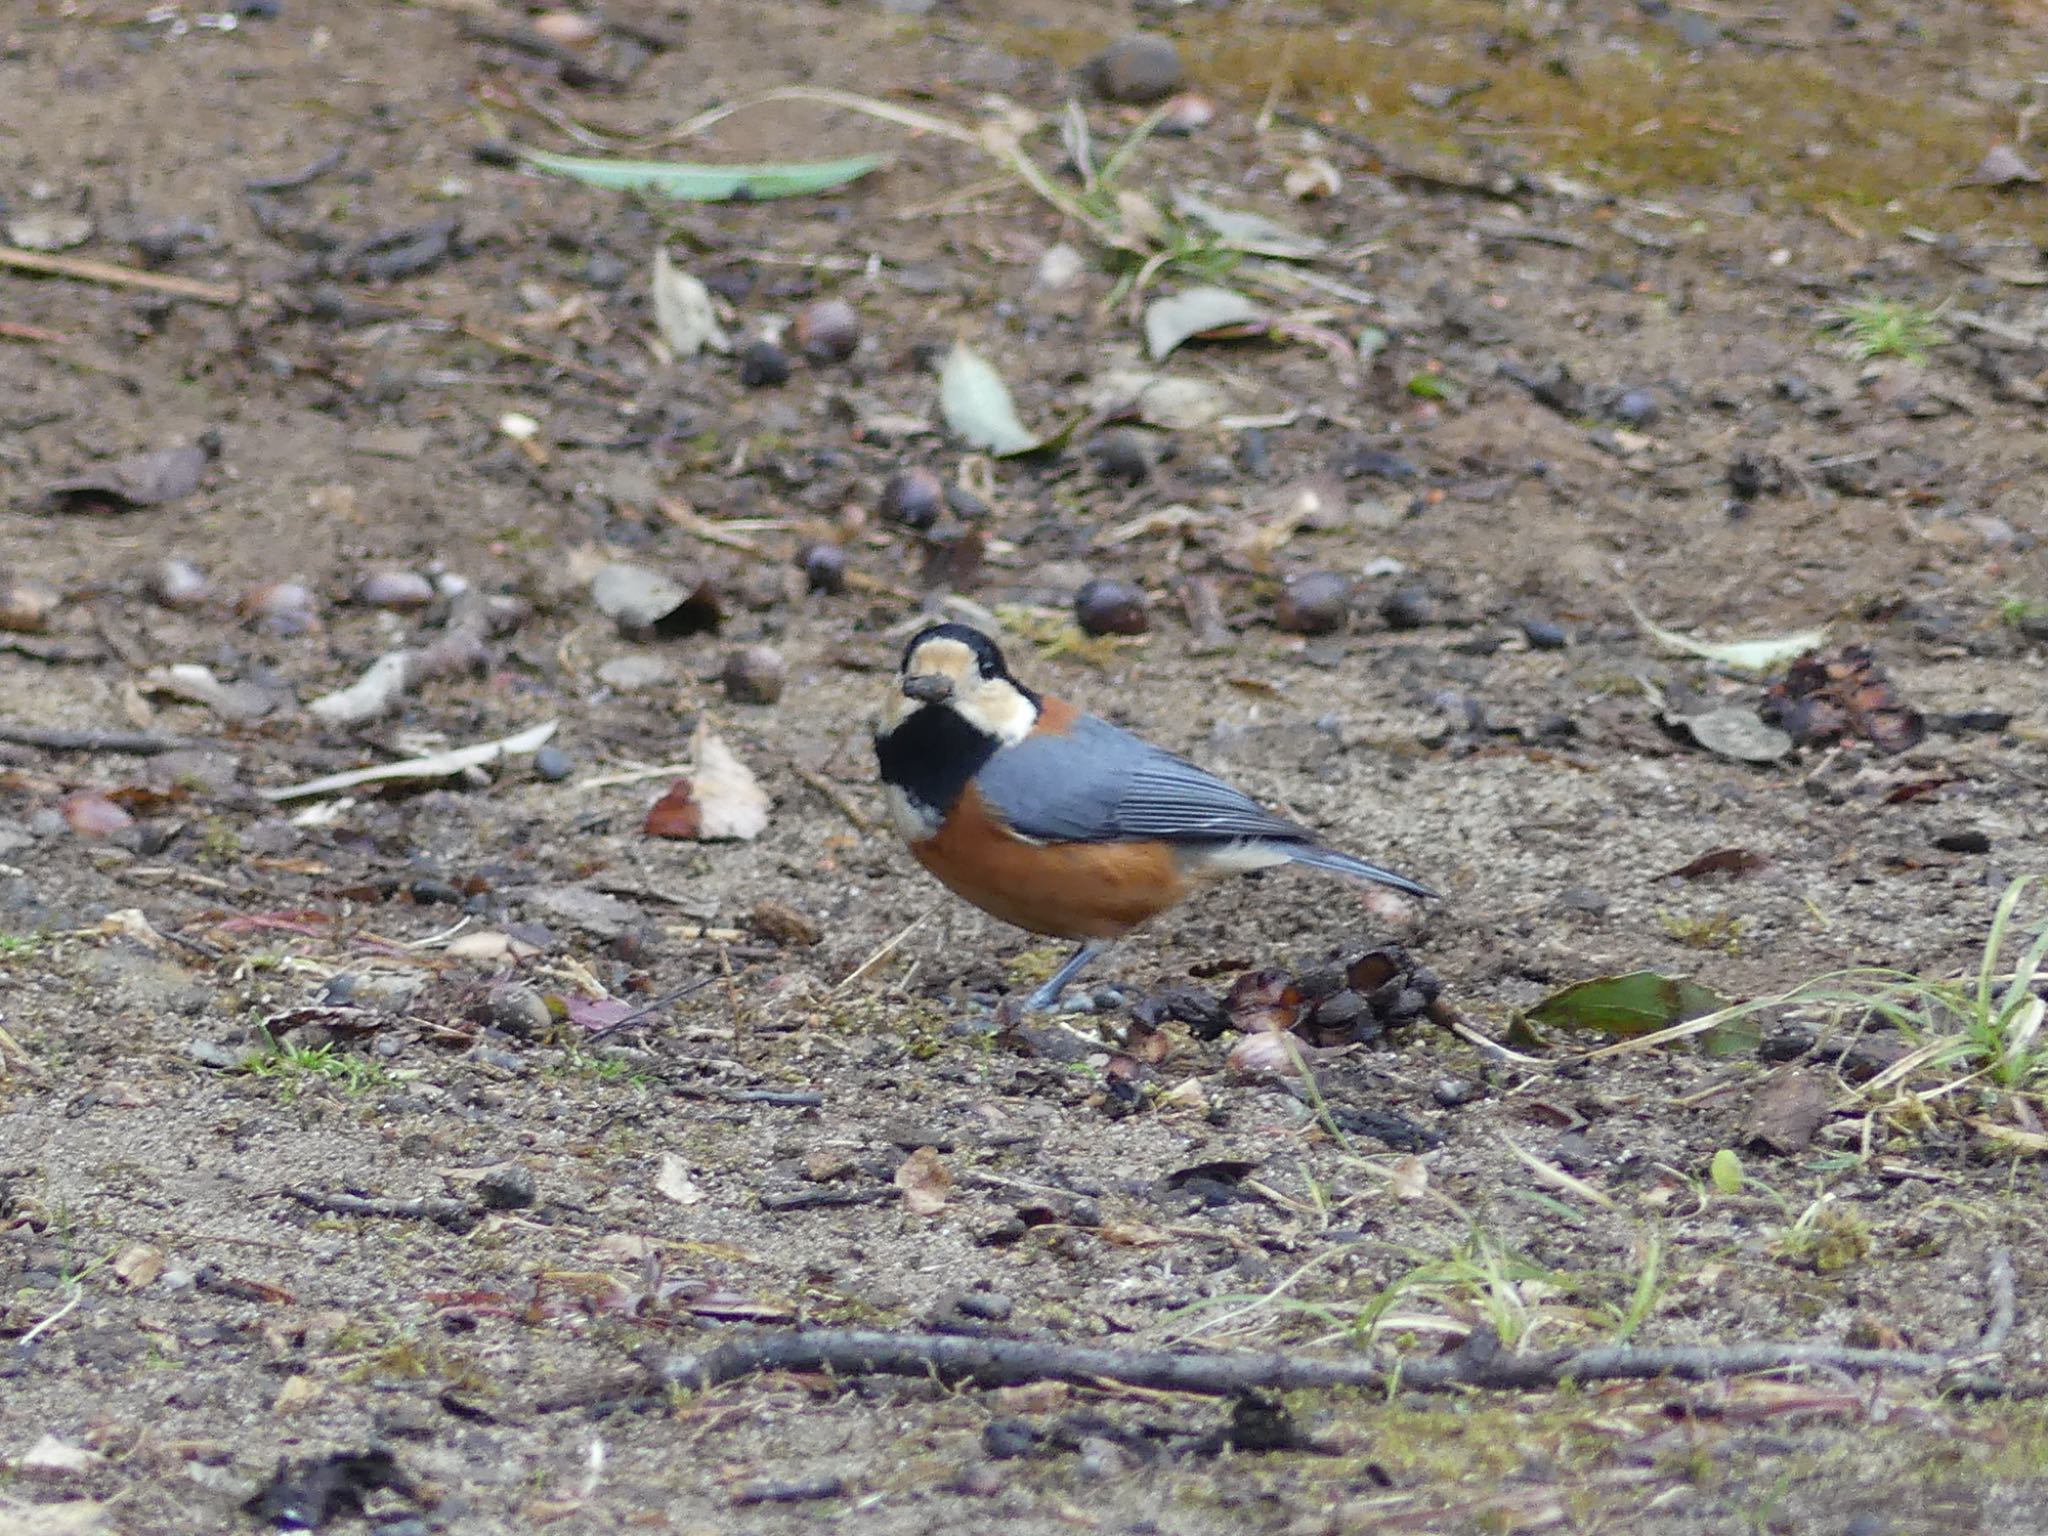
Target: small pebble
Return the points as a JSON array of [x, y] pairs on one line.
[[1636, 408], [518, 1011], [1453, 1091], [1108, 607], [764, 365], [989, 1306], [551, 765], [178, 584], [1314, 603], [1139, 69], [1545, 635], [394, 589], [913, 497], [431, 892], [754, 674], [1007, 1439], [282, 608], [827, 331], [1121, 456], [824, 568], [1967, 840], [1408, 608], [508, 1187], [965, 504], [1187, 113]]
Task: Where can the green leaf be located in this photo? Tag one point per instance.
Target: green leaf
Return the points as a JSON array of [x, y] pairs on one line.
[[1726, 1171], [687, 182], [1639, 1003]]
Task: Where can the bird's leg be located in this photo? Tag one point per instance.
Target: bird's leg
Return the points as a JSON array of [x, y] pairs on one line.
[[1048, 995]]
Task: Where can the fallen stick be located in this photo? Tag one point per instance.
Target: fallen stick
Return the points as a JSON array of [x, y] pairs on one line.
[[1481, 1361], [127, 743], [86, 270], [15, 330], [442, 1211]]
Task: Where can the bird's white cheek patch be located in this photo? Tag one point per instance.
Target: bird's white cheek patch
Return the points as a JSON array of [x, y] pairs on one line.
[[913, 820]]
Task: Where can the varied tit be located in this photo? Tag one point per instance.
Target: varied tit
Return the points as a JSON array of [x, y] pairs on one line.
[[1056, 821]]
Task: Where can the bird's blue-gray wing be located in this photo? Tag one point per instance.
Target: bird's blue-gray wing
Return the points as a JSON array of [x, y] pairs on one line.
[[1095, 783]]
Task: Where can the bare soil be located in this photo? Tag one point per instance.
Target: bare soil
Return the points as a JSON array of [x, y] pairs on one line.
[[730, 1159]]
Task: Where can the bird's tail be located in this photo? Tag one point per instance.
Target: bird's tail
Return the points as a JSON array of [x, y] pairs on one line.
[[1318, 857]]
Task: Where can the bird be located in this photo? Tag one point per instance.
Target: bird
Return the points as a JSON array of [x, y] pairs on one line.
[[1056, 821]]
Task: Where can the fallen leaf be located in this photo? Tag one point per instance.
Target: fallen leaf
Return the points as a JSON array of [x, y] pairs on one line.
[[51, 1457], [48, 230], [141, 480], [138, 1265], [1725, 1171], [1133, 1234], [1641, 1003], [1203, 311], [694, 183], [684, 312], [1311, 178], [92, 815], [2001, 167], [924, 1181], [1743, 655], [674, 1181], [297, 1393], [437, 765], [197, 685], [977, 408], [1786, 1112], [1252, 233], [731, 803], [1737, 733], [1718, 861], [1843, 696], [675, 815], [67, 1517], [2010, 1138], [1408, 1178], [641, 601]]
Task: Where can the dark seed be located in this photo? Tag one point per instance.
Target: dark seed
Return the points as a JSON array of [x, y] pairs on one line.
[[764, 365], [1968, 840], [824, 567], [551, 764], [1107, 607], [1315, 603], [1121, 455], [828, 331], [754, 674], [1408, 608], [914, 498], [1545, 635]]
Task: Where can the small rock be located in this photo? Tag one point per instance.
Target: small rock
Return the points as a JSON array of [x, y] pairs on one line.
[[1578, 898], [1008, 1439], [824, 568], [783, 923], [754, 674], [1189, 112], [518, 1011], [1544, 634], [827, 331], [507, 1187], [1315, 603], [1636, 408], [1121, 456], [1966, 840], [551, 765], [394, 589], [635, 673], [27, 604], [1408, 608], [222, 1058], [914, 498], [431, 892], [764, 365], [283, 608], [1108, 607], [1139, 69], [1453, 1091], [178, 584]]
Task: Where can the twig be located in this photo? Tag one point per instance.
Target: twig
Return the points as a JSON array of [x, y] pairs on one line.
[[15, 330], [1481, 1361], [833, 795], [454, 1215], [128, 743], [24, 1343], [86, 270], [304, 176]]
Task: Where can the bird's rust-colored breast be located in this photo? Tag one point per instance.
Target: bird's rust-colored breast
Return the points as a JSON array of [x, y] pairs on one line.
[[1064, 890]]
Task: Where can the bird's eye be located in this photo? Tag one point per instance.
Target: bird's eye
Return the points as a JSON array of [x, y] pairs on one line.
[[986, 667]]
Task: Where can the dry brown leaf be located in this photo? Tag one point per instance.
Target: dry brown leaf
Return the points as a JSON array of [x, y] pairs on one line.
[[925, 1182], [1133, 1234], [138, 1265], [1786, 1112], [297, 1394]]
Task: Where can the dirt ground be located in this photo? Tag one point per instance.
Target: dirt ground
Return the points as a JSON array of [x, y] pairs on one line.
[[1568, 350]]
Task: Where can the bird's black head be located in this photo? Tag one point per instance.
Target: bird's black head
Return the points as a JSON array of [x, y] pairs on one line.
[[987, 655]]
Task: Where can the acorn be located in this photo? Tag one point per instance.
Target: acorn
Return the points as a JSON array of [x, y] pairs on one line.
[[764, 365], [824, 568], [914, 497], [827, 331], [754, 674], [1107, 607], [1314, 603]]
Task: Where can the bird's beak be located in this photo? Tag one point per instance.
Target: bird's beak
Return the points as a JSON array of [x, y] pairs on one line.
[[928, 687]]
